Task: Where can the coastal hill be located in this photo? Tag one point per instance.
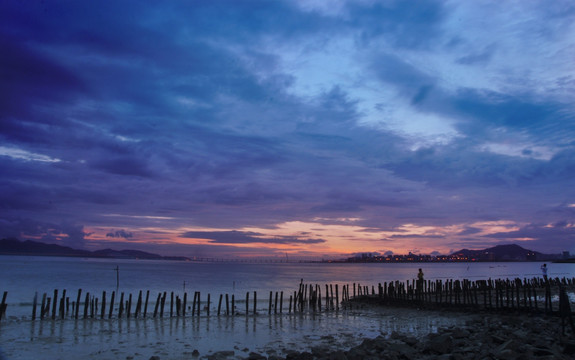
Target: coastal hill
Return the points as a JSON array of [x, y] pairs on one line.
[[511, 252], [28, 247]]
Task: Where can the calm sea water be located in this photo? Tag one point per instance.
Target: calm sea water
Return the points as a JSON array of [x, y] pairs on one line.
[[174, 338], [22, 276]]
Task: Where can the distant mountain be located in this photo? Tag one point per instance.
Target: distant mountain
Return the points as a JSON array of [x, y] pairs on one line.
[[16, 247], [509, 252]]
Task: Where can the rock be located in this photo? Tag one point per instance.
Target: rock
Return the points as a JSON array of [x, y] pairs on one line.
[[195, 353], [337, 355], [221, 355], [507, 354], [569, 348], [256, 356], [320, 351], [154, 357], [411, 340], [459, 333], [441, 344], [300, 356], [400, 349]]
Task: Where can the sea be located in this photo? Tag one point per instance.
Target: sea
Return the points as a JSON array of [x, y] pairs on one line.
[[25, 276]]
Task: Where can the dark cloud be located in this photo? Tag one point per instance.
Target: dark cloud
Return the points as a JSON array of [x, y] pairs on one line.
[[65, 234], [120, 234], [200, 114], [241, 237]]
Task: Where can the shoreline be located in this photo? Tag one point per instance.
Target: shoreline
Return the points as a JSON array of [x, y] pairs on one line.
[[369, 332]]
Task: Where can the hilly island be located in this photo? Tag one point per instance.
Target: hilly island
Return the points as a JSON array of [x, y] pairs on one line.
[[510, 252]]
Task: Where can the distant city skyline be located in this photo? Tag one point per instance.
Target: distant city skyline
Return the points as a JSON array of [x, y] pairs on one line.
[[306, 128]]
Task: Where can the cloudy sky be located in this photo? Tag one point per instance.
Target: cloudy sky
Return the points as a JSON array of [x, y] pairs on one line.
[[309, 128]]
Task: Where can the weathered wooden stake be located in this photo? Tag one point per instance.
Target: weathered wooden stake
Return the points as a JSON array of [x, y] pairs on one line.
[[158, 300], [184, 304], [86, 305], [270, 304], [54, 304], [247, 302], [103, 305], [129, 307], [34, 304], [146, 303], [139, 305], [121, 310], [171, 304], [111, 311], [163, 304]]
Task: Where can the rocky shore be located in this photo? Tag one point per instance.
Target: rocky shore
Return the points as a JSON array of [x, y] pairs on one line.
[[484, 336]]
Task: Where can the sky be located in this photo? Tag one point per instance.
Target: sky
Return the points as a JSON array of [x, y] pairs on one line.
[[299, 128]]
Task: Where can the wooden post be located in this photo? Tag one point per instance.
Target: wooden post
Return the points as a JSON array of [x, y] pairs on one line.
[[163, 304], [112, 305], [129, 307], [158, 300], [227, 305], [233, 304], [220, 304], [86, 305], [171, 304], [121, 310], [290, 300], [139, 305], [194, 303], [255, 302], [184, 304], [146, 303], [103, 305], [62, 304], [78, 303], [54, 304], [281, 301], [43, 306], [270, 304], [3, 304], [208, 305], [326, 297], [247, 302], [34, 304]]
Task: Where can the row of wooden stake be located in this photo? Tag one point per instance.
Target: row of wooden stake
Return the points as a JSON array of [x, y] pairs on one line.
[[486, 293], [58, 307]]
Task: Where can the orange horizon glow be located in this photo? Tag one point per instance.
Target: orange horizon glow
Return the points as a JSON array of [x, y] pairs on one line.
[[341, 239]]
